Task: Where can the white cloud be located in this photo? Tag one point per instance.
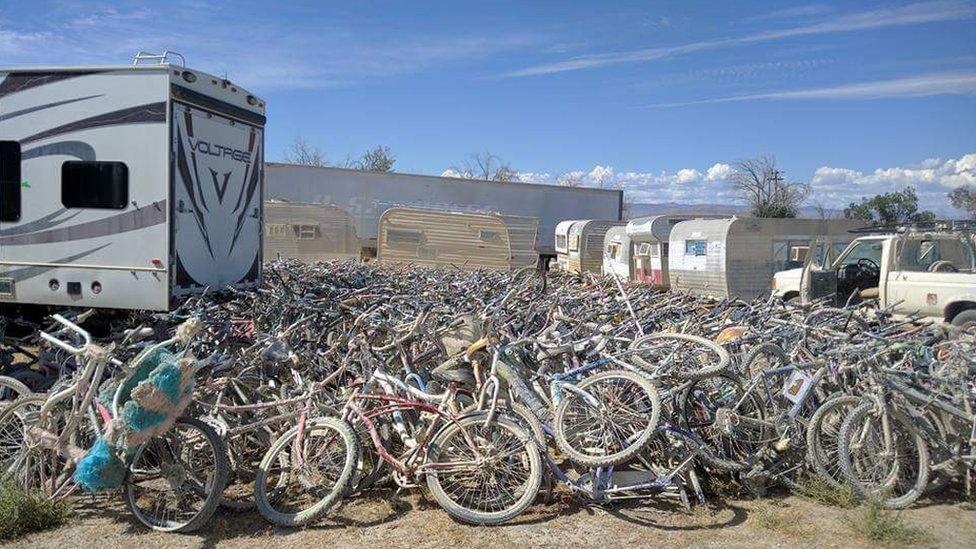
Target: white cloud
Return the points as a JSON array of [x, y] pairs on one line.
[[718, 172], [911, 14], [687, 175], [944, 83]]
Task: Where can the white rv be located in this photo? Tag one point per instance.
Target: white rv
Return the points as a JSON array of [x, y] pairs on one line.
[[125, 187], [648, 241]]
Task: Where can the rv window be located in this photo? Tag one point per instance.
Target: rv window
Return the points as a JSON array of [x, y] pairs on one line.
[[487, 235], [276, 229], [561, 241], [574, 242], [306, 232], [102, 185], [695, 247], [9, 181], [645, 250], [404, 236], [664, 249]]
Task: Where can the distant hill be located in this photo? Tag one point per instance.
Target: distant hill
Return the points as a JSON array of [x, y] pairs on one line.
[[643, 210]]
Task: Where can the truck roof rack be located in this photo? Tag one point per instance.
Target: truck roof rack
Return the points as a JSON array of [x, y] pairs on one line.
[[942, 225], [157, 58]]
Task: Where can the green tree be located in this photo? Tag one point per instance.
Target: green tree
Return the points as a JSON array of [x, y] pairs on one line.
[[377, 159], [894, 208], [964, 198]]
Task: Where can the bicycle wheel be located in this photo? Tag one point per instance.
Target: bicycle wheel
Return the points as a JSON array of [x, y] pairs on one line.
[[483, 475], [698, 406], [762, 357], [607, 418], [11, 389], [823, 434], [15, 419], [175, 480], [895, 469], [681, 356], [306, 472]]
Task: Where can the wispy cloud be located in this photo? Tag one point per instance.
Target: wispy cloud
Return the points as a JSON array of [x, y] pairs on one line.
[[946, 83], [793, 12], [911, 14]]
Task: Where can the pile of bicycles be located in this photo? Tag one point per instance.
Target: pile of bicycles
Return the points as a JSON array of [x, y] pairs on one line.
[[495, 390]]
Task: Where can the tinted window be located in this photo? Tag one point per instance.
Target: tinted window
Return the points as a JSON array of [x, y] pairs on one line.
[[95, 185], [9, 181]]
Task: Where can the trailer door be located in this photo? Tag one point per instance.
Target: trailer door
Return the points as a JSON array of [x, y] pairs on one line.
[[217, 200]]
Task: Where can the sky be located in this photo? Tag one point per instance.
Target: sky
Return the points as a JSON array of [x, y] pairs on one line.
[[659, 98]]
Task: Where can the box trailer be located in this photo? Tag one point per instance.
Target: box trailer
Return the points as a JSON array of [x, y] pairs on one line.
[[737, 257], [649, 249], [126, 187], [584, 251], [465, 240], [309, 232], [366, 195]]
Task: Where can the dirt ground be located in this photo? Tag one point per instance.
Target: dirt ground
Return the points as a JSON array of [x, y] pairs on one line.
[[380, 522]]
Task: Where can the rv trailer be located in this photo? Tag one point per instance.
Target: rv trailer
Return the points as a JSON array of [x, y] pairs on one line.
[[366, 195], [465, 240], [737, 257], [308, 232], [561, 243], [617, 253], [585, 246], [649, 246], [126, 187]]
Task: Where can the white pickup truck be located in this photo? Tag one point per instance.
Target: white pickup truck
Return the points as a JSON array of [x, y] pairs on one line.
[[932, 274]]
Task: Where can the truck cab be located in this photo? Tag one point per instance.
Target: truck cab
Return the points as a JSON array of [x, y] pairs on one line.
[[931, 273]]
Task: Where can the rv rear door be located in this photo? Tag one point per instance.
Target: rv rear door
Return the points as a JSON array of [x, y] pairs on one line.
[[217, 193]]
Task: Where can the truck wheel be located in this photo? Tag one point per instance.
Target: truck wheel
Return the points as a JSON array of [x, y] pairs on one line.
[[965, 318]]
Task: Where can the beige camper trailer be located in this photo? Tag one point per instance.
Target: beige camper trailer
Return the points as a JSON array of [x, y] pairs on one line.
[[737, 257], [310, 232], [585, 244], [648, 238], [562, 243], [469, 240]]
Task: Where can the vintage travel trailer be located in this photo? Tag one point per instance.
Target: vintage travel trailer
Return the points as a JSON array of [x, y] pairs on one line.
[[737, 257], [464, 240], [309, 232], [561, 243], [649, 246], [125, 187], [584, 249], [618, 254]]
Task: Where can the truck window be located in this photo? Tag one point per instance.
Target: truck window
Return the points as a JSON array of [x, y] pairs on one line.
[[865, 249], [921, 254], [102, 185], [695, 247], [9, 181]]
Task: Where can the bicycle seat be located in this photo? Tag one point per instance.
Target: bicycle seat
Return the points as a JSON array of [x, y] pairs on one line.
[[453, 371]]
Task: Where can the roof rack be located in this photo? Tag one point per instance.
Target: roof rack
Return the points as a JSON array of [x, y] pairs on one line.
[[157, 58], [941, 225]]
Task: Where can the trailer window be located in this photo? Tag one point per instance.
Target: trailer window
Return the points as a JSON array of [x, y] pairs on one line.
[[695, 247], [306, 232], [645, 250], [276, 229], [103, 185], [9, 181], [404, 236], [561, 241], [574, 242], [486, 235]]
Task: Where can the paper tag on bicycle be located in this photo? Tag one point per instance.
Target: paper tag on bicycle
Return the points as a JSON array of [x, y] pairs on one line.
[[796, 385]]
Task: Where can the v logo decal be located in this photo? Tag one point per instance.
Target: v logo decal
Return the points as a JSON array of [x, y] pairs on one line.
[[221, 188]]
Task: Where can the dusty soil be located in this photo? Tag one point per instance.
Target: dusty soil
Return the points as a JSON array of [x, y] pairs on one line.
[[380, 522]]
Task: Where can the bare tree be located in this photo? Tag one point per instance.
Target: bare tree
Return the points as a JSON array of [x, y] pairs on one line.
[[304, 153], [485, 166], [964, 198], [570, 179], [377, 159], [763, 188]]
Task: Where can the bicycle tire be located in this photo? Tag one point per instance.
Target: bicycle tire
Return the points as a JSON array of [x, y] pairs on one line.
[[720, 365], [15, 387], [759, 352], [211, 497], [825, 463], [916, 450], [463, 513], [628, 451], [342, 485]]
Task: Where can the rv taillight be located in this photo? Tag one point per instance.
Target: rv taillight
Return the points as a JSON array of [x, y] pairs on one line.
[[54, 285], [96, 287], [189, 77]]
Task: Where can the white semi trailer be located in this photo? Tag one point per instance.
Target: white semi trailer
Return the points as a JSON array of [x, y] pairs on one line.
[[126, 187], [366, 195]]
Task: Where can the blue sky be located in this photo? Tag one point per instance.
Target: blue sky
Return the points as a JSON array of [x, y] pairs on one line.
[[657, 97]]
